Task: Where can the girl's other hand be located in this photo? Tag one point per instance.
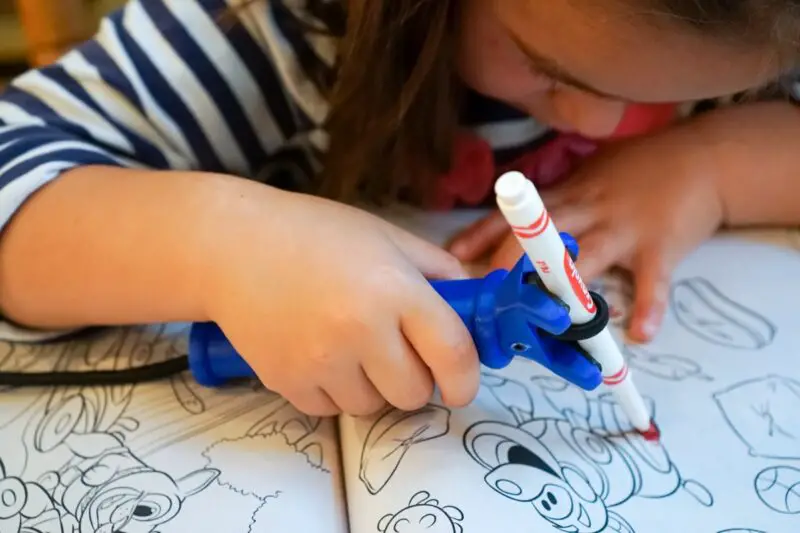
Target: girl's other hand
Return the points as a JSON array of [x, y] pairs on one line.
[[641, 205]]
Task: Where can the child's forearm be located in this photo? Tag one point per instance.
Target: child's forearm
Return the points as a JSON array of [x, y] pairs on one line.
[[756, 152], [115, 246]]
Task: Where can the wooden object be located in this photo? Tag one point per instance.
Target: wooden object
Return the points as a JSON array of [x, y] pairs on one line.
[[52, 27]]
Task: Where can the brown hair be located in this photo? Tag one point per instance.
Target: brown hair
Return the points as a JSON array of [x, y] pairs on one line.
[[395, 94], [394, 106]]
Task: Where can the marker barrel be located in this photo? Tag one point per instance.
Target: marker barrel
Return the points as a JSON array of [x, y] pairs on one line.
[[529, 219]]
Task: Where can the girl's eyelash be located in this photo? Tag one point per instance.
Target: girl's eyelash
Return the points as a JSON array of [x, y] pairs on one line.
[[540, 75]]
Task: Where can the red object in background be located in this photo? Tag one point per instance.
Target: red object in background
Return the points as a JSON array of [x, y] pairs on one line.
[[472, 176], [474, 171], [644, 118]]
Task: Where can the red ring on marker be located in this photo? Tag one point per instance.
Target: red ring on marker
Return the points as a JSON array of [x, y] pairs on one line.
[[535, 229], [617, 378]]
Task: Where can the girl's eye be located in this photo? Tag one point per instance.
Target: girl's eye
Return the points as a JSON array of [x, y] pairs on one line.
[[541, 78]]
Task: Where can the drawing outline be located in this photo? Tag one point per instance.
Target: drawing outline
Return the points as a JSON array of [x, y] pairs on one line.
[[77, 459], [423, 513], [704, 311], [576, 460], [391, 437], [511, 394], [664, 366], [778, 488], [763, 413]]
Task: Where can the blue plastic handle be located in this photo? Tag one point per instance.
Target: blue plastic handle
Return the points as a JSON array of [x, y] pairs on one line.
[[506, 316], [214, 361]]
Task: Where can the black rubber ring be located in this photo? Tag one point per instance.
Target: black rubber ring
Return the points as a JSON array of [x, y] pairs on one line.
[[579, 332]]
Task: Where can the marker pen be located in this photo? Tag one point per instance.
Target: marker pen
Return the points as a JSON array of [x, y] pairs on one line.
[[523, 209]]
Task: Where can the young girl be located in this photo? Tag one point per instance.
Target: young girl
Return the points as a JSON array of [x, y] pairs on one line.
[[159, 171]]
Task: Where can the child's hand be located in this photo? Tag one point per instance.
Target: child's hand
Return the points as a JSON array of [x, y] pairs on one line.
[[642, 205], [331, 308]]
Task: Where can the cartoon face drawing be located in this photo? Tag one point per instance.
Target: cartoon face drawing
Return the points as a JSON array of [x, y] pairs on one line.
[[136, 503], [107, 489], [575, 459], [423, 514], [521, 468]]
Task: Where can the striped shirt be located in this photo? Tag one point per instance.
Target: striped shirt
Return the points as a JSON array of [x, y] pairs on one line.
[[173, 84]]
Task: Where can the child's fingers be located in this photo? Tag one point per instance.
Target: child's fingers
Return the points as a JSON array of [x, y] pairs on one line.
[[507, 255], [477, 239], [577, 189], [398, 373], [431, 260], [651, 283], [442, 341], [599, 251], [574, 219], [352, 391], [312, 401]]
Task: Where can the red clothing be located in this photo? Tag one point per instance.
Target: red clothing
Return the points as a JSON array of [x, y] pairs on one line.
[[474, 171]]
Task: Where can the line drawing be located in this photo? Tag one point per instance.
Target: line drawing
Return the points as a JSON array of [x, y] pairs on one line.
[[79, 458], [423, 513], [664, 366], [778, 487], [259, 465], [299, 430], [26, 506], [511, 394], [91, 478], [763, 413], [576, 459], [741, 530], [703, 310], [391, 437]]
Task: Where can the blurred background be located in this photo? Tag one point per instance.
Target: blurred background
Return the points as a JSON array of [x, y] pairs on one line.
[[35, 32]]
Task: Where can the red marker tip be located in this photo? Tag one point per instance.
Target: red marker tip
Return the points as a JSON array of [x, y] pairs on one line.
[[652, 433]]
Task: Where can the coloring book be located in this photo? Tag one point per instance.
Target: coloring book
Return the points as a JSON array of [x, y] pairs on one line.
[[532, 453]]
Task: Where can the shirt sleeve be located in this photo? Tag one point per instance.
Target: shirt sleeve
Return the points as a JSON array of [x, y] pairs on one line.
[[210, 85]]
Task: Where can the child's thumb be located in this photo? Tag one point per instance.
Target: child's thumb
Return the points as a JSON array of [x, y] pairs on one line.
[[431, 260]]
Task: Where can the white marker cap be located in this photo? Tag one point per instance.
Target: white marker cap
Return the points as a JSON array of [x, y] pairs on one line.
[[512, 188]]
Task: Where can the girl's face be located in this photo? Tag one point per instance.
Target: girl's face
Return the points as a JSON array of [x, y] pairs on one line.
[[575, 64]]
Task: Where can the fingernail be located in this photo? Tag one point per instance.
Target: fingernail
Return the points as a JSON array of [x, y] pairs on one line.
[[650, 328]]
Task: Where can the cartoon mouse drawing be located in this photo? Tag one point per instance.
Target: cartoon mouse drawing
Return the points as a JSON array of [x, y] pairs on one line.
[[574, 463], [85, 476], [107, 489]]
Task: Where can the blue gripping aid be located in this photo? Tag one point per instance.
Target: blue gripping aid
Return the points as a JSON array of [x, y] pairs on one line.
[[507, 313]]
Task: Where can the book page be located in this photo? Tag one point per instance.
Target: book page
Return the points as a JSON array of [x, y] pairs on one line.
[[162, 457], [534, 453]]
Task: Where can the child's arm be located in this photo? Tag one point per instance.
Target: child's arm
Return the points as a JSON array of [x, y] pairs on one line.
[[104, 245], [755, 150], [161, 87]]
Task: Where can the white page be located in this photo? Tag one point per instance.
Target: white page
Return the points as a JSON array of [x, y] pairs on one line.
[[167, 457], [535, 454]]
